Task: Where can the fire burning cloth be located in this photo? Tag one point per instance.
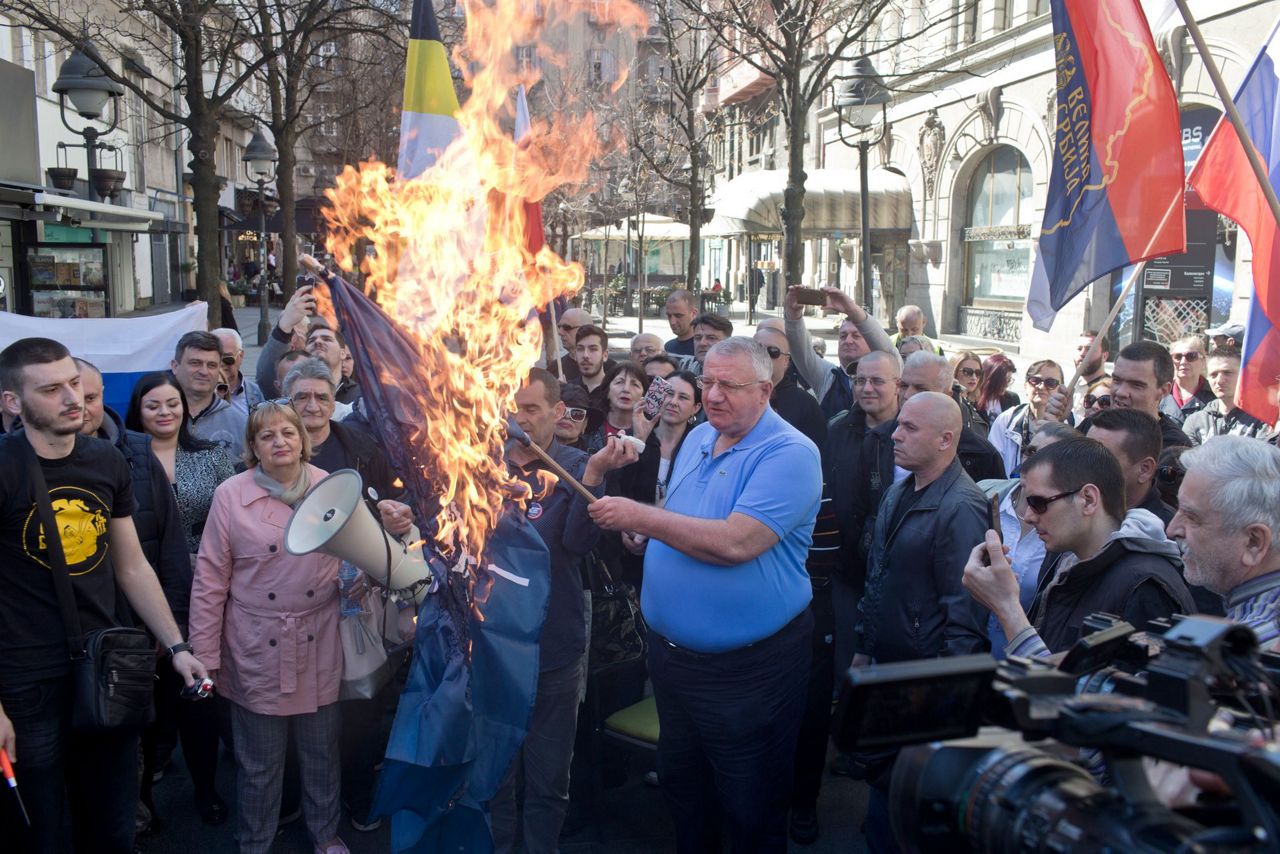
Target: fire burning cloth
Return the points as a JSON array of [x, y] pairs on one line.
[[1115, 194], [1225, 183], [466, 706]]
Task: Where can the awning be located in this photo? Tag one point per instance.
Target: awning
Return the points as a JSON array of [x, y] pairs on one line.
[[752, 202], [88, 214], [657, 229]]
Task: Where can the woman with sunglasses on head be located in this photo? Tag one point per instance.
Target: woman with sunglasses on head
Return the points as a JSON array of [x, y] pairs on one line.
[[194, 467], [1012, 430], [626, 387]]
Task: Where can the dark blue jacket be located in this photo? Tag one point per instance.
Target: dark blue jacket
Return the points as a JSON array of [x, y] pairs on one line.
[[914, 605], [561, 519], [156, 517]]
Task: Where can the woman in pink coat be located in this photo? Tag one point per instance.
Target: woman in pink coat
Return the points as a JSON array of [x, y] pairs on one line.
[[267, 622]]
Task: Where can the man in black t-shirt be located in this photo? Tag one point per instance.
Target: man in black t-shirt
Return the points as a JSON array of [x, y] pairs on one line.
[[93, 776]]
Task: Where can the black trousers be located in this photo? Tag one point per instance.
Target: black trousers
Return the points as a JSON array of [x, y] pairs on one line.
[[815, 725], [729, 723]]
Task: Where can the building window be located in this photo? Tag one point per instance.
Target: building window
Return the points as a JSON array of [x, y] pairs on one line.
[[997, 238]]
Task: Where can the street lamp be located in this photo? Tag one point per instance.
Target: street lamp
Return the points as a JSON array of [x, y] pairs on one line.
[[859, 104], [82, 81], [260, 159]]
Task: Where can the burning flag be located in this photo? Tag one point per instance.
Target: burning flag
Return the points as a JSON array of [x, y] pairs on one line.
[[444, 250]]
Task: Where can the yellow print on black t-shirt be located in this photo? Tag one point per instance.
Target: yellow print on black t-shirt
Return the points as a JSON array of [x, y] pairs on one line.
[[81, 518]]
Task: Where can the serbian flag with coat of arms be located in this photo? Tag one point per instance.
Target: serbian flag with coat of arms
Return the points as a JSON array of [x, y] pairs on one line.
[[1225, 183], [1115, 193]]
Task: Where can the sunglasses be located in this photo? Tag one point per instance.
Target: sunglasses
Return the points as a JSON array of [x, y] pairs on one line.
[[969, 372], [567, 327], [1170, 475], [1048, 382], [1040, 503], [279, 401], [228, 360], [775, 352], [1191, 356], [576, 414], [1102, 401]]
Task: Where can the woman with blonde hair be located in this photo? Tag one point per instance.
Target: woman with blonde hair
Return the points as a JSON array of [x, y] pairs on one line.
[[268, 622]]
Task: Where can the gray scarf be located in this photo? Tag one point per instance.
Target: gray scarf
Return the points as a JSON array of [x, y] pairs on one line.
[[289, 495]]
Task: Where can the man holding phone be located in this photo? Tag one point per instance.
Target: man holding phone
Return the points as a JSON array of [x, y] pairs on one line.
[[859, 334]]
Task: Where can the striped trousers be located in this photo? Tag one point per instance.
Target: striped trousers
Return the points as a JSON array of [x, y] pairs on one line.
[[260, 743]]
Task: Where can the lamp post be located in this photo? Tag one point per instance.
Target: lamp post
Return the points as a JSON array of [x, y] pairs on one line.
[[859, 104], [82, 81], [260, 159]]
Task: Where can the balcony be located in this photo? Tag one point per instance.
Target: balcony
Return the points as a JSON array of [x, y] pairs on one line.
[[742, 81]]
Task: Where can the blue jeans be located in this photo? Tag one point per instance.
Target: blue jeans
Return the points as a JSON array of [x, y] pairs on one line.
[[81, 789], [729, 723]]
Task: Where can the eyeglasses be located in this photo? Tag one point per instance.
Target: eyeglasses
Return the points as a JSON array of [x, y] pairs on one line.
[[576, 413], [302, 398], [874, 382], [228, 360], [1048, 382], [1189, 356], [725, 385], [969, 372], [1040, 503], [279, 401], [1102, 401], [567, 327], [775, 352]]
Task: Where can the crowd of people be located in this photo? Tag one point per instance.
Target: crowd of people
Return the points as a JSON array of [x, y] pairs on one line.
[[783, 518]]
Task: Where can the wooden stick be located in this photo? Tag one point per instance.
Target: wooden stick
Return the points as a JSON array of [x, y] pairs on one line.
[[1233, 115], [1106, 325], [558, 471]]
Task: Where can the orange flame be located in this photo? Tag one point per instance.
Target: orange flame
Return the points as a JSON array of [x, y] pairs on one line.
[[450, 264]]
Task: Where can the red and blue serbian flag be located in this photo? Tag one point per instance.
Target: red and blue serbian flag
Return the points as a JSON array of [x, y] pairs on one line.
[[427, 120], [535, 236], [1115, 193], [125, 349], [1225, 183]]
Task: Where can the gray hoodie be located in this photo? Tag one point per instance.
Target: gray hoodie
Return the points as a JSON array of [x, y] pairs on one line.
[[222, 424]]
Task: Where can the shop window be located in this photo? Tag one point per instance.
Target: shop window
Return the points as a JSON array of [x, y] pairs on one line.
[[997, 237]]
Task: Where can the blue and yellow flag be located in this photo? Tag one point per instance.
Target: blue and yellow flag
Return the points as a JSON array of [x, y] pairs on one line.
[[427, 122]]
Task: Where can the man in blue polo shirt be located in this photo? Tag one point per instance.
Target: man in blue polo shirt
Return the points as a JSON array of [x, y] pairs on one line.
[[726, 597]]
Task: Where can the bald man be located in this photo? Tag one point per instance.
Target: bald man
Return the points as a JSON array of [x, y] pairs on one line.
[[915, 605], [644, 346], [796, 406], [564, 366]]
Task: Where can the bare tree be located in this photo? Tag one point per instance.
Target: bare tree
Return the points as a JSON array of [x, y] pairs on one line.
[[676, 143], [802, 46], [310, 45], [202, 42]]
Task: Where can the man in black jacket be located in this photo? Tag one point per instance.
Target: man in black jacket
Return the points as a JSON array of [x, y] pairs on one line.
[[796, 406], [1100, 558], [914, 605]]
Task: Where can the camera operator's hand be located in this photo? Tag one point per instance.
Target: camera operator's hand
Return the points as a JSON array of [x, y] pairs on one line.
[[989, 578], [861, 660], [8, 741]]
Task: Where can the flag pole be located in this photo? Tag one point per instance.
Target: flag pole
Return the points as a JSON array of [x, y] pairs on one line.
[[553, 340], [1229, 104]]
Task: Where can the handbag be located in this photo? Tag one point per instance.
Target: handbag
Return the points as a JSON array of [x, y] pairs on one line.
[[366, 668], [617, 628], [113, 670]]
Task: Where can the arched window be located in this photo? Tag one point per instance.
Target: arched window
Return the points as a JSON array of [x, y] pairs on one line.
[[997, 236]]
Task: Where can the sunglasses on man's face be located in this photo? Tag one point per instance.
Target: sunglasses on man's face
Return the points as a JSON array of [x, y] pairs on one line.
[[1040, 503], [1048, 382], [567, 327], [775, 353], [1102, 401]]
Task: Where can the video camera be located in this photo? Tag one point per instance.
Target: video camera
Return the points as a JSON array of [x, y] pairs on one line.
[[973, 782]]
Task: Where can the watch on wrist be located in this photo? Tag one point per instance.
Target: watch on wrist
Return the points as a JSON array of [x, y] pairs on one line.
[[180, 647]]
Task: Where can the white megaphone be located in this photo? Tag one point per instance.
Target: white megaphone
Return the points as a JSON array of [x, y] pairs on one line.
[[333, 518]]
